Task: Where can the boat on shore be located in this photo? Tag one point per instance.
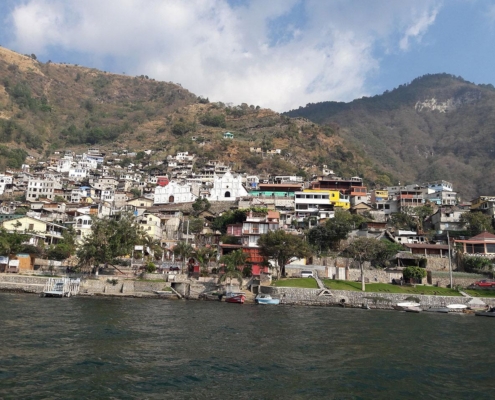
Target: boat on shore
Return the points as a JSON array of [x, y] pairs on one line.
[[408, 306], [235, 297], [457, 307], [266, 299], [488, 313], [443, 310]]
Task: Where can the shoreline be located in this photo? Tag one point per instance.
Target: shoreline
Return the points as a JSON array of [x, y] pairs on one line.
[[192, 290]]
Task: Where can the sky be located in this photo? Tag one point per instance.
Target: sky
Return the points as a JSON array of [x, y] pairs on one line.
[[278, 54]]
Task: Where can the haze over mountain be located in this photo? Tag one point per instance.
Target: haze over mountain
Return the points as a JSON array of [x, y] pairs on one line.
[[436, 127]]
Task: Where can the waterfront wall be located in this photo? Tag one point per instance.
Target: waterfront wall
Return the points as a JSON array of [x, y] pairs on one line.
[[298, 296]]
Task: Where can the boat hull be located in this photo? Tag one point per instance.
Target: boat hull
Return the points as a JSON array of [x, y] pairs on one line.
[[267, 301], [237, 298], [485, 314], [443, 310]]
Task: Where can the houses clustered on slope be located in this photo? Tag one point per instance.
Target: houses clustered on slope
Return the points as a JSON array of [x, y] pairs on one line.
[[71, 189]]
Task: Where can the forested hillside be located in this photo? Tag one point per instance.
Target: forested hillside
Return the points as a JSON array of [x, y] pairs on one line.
[[46, 107], [436, 127]]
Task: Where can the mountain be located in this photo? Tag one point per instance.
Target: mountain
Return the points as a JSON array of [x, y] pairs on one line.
[[436, 127], [46, 107]]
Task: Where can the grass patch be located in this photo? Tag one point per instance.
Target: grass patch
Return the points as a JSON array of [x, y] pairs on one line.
[[305, 283], [389, 288], [480, 292]]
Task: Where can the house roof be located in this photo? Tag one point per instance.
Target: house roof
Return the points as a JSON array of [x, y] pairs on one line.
[[426, 246], [483, 236], [273, 214]]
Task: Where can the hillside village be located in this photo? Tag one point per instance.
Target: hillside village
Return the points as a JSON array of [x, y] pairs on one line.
[[175, 205]]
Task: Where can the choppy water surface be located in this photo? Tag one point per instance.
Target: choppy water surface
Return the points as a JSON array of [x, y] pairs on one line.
[[98, 348]]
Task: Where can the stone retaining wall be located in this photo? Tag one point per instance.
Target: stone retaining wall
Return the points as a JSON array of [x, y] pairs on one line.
[[298, 296], [445, 281]]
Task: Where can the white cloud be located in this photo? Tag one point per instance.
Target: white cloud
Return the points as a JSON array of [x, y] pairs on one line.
[[418, 28], [227, 53]]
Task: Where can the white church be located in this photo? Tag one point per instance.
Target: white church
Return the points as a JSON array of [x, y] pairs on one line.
[[174, 193], [227, 188]]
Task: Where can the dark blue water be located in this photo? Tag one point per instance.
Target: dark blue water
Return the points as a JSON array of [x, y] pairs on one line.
[[97, 348]]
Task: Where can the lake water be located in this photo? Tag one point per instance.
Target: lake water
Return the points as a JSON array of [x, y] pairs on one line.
[[102, 348]]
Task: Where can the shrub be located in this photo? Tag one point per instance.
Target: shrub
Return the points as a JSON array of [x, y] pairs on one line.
[[414, 273], [477, 264], [150, 268]]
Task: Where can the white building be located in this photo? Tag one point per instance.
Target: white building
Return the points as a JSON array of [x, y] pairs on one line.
[[174, 193], [227, 188], [78, 173], [5, 183], [44, 188], [64, 164], [83, 227]]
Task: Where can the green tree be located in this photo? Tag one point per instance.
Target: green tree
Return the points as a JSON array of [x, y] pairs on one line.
[[334, 231], [12, 242], [151, 245], [195, 226], [476, 264], [414, 273], [232, 262], [110, 238], [422, 212], [404, 220], [204, 255], [319, 239], [227, 218], [282, 247], [64, 248], [184, 251], [200, 204], [135, 193], [476, 222], [365, 250]]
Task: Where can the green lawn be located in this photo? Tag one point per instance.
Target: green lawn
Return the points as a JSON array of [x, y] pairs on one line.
[[389, 288], [480, 292], [306, 283]]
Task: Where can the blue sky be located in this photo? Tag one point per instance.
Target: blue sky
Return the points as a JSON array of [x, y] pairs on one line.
[[279, 54]]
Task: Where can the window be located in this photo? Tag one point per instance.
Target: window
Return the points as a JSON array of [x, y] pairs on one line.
[[31, 227]]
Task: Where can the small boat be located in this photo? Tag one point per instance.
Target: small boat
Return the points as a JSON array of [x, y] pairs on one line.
[[409, 306], [443, 310], [456, 307], [265, 299], [235, 297], [488, 313]]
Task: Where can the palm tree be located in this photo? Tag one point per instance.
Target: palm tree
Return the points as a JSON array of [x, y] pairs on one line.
[[204, 255], [154, 246], [232, 261], [183, 250]]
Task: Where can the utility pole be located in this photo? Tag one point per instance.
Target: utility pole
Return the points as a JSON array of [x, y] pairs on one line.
[[450, 262], [187, 232]]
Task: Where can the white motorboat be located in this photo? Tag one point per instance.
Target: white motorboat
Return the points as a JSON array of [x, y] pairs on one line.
[[266, 299]]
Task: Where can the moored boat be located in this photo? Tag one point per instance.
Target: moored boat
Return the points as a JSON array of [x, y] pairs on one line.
[[235, 297], [266, 299], [456, 307], [488, 313], [443, 310], [409, 306]]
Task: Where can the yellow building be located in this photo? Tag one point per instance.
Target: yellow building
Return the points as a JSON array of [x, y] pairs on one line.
[[478, 202], [151, 225], [335, 198], [25, 224]]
